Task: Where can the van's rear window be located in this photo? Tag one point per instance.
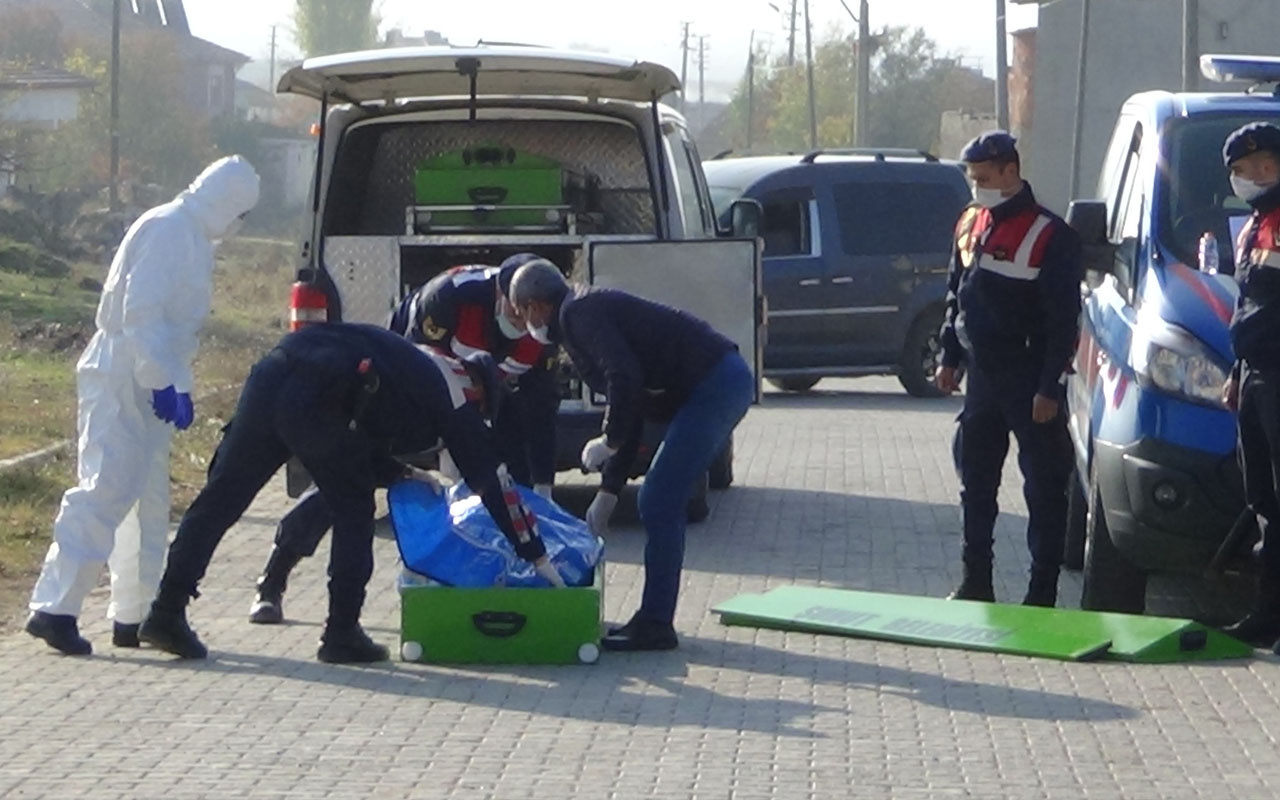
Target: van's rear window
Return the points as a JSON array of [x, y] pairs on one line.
[[897, 218]]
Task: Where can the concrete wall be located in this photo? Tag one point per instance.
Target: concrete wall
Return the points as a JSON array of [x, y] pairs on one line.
[[1134, 46], [959, 127]]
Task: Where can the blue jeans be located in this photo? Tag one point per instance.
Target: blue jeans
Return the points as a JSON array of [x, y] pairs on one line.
[[700, 429]]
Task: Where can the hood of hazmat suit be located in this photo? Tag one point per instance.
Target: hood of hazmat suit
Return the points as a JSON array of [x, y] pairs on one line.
[[159, 289]]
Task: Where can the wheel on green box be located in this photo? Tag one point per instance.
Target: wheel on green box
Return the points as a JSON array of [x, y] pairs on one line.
[[589, 653], [411, 651]]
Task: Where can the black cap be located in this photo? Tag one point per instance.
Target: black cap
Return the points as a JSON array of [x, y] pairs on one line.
[[507, 270], [1250, 139], [989, 145]]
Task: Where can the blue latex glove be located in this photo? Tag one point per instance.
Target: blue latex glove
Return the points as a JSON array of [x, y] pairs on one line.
[[186, 412], [165, 403]]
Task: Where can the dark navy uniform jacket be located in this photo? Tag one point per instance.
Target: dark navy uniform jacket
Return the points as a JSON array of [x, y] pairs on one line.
[[1013, 298], [411, 408], [1255, 327], [645, 357], [456, 312]]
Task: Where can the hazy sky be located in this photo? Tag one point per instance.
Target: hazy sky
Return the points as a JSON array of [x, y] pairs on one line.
[[648, 29]]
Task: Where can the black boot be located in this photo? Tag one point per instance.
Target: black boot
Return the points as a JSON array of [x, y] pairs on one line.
[[975, 585], [641, 634], [60, 632], [166, 626], [124, 634], [1042, 590], [1258, 629], [349, 645], [268, 606]]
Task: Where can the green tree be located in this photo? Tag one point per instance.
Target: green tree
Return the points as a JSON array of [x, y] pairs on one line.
[[322, 27], [30, 37]]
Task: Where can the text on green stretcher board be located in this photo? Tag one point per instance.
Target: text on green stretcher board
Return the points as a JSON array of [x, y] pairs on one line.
[[905, 626]]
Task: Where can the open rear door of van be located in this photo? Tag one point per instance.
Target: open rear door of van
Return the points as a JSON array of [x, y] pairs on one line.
[[717, 280]]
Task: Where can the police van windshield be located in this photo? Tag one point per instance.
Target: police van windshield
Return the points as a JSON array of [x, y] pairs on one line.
[[1197, 193]]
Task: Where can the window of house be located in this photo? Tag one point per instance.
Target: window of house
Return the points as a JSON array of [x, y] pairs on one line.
[[217, 89]]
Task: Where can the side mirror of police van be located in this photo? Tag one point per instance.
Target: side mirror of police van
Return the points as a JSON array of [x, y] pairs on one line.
[[1089, 219], [744, 219]]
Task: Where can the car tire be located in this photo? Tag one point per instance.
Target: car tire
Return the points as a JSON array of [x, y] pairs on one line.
[[698, 509], [1111, 582], [1077, 525], [720, 476], [797, 384], [921, 354]]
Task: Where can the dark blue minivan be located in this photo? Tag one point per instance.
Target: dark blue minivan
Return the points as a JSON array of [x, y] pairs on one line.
[[856, 247]]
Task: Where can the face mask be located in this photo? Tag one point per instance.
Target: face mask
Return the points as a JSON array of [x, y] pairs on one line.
[[540, 333], [509, 329], [988, 198], [1246, 189]]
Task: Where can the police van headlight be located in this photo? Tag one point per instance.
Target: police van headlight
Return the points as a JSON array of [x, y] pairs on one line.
[[1177, 363]]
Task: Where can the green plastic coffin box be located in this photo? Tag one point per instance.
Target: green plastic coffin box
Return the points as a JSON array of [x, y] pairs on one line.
[[498, 625], [479, 181]]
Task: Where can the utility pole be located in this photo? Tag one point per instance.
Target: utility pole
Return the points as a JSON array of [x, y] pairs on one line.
[[791, 40], [684, 63], [114, 190], [271, 82], [862, 106], [751, 87], [702, 83], [808, 57], [1002, 69], [1077, 135], [1190, 45]]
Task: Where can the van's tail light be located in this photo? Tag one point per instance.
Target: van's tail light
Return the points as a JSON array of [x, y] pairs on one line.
[[307, 304]]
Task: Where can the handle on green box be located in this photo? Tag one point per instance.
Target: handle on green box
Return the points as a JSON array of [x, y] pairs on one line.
[[487, 195], [499, 624]]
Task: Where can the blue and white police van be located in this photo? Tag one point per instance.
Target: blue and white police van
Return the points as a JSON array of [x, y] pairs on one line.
[[1158, 486]]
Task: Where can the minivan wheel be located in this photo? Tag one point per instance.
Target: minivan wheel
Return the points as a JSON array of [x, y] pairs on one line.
[[921, 355], [797, 384], [698, 509], [1111, 582], [720, 476]]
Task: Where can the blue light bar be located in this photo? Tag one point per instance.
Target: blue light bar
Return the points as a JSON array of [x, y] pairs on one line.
[[1254, 69]]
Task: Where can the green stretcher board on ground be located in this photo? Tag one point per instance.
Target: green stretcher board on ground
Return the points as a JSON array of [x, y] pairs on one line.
[[1066, 634]]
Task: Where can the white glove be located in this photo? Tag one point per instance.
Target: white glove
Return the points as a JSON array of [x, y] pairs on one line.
[[595, 453], [427, 477], [599, 512], [542, 490]]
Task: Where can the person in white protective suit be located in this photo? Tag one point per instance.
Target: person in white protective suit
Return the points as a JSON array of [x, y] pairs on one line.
[[134, 387]]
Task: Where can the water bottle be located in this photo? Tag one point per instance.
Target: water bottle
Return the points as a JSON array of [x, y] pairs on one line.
[[1208, 253]]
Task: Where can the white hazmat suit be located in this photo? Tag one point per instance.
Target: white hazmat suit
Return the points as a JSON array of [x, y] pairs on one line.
[[155, 300]]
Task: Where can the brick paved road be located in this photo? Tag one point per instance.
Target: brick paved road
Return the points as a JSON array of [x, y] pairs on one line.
[[851, 487]]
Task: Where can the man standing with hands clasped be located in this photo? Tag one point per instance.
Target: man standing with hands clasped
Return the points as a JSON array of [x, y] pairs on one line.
[[1013, 308], [134, 386]]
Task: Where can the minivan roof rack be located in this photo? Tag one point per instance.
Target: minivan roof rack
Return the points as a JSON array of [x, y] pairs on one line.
[[880, 153]]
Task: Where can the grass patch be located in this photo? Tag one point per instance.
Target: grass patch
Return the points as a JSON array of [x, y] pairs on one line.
[[37, 371]]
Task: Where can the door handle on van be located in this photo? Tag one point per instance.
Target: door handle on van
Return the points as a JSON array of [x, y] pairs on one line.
[[810, 282], [842, 279]]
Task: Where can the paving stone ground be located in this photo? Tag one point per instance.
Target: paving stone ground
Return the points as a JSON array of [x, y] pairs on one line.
[[851, 486]]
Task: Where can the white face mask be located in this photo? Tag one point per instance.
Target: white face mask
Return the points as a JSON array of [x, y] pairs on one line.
[[540, 333], [988, 198], [1246, 189]]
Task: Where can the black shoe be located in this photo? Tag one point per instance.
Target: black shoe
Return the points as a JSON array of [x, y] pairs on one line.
[[641, 634], [350, 646], [168, 630], [267, 610], [1261, 631], [124, 635], [1042, 590], [60, 632], [974, 585]]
